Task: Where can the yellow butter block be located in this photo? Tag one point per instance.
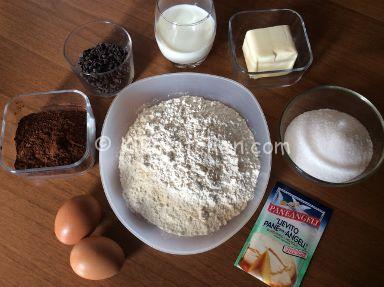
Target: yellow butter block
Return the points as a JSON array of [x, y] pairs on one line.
[[269, 49]]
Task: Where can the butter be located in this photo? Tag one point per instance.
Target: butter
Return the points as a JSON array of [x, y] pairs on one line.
[[269, 49]]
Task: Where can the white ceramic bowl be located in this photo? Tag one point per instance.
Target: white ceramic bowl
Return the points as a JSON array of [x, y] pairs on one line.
[[123, 113]]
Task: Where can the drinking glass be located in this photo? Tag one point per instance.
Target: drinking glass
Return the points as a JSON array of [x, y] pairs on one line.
[[185, 30]]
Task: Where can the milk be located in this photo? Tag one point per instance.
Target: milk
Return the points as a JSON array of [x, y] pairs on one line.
[[185, 42]]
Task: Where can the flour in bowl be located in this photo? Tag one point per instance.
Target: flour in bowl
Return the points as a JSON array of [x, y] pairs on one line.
[[188, 165]]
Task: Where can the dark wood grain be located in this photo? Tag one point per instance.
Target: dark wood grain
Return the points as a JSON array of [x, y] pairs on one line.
[[347, 39]]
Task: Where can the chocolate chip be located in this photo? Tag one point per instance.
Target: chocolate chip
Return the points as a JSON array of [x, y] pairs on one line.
[[105, 67]]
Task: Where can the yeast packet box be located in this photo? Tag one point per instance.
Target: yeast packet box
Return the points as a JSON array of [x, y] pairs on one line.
[[281, 244]]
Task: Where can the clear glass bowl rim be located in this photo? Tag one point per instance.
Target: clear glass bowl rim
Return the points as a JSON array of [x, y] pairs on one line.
[[78, 28], [232, 46], [60, 168], [360, 97], [161, 13]]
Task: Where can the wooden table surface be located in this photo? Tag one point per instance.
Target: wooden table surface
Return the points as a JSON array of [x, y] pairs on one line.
[[347, 39]]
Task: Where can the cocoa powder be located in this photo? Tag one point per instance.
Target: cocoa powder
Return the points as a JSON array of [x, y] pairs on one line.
[[50, 138]]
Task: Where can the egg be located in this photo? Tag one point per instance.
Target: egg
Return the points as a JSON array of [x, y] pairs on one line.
[[96, 258], [77, 218]]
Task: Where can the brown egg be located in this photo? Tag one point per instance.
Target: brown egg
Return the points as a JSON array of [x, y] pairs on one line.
[[96, 258], [77, 218]]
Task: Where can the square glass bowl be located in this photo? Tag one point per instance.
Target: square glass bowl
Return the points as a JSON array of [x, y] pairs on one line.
[[241, 22], [22, 105]]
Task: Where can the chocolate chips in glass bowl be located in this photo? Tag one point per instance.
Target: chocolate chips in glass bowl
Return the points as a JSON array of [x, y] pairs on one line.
[[106, 68]]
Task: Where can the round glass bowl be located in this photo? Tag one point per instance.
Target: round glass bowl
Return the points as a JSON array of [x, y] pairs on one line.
[[90, 35], [343, 100], [23, 105], [243, 21]]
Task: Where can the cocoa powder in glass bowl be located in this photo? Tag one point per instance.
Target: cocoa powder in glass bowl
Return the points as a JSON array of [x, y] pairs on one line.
[[50, 138]]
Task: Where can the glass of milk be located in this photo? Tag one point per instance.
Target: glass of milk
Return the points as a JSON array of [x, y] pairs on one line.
[[185, 30]]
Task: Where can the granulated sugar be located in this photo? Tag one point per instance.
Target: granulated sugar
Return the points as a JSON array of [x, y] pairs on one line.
[[329, 145], [182, 168]]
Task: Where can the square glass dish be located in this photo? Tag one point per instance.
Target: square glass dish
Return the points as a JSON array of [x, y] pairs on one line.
[[23, 105], [243, 21]]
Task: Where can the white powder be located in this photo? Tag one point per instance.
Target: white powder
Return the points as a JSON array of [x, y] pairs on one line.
[[183, 168], [329, 145]]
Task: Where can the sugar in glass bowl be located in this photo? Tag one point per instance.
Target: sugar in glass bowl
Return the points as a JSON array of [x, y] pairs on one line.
[[342, 100]]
